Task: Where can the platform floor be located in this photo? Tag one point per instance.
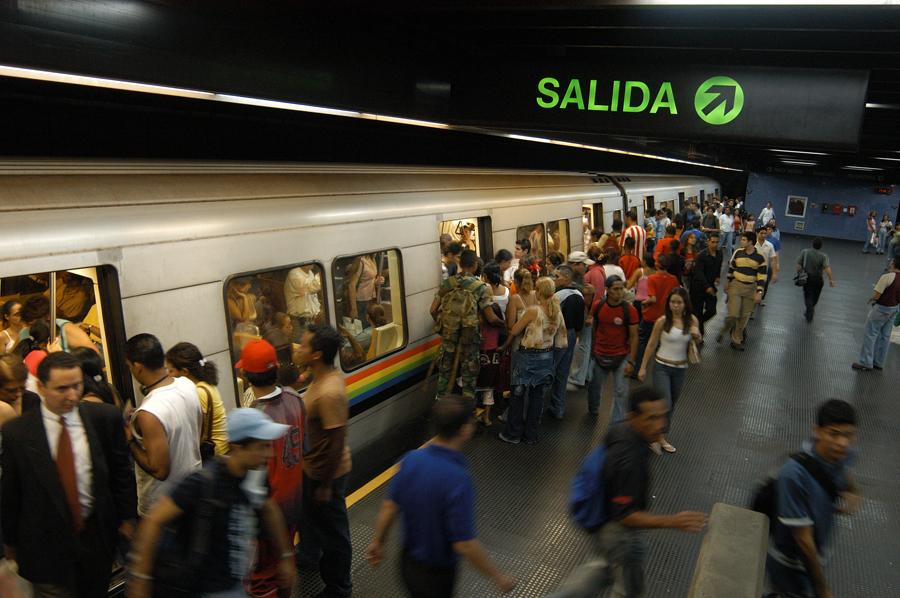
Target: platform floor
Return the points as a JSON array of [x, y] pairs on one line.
[[740, 413]]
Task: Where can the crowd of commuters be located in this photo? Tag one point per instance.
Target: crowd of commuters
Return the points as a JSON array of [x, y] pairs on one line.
[[206, 503]]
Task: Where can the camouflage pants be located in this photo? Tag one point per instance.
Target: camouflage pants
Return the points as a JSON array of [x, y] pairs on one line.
[[467, 369]]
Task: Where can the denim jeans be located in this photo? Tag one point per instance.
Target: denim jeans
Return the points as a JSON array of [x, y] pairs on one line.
[[582, 359], [645, 329], [725, 243], [668, 380], [325, 531], [620, 390], [868, 244], [787, 582], [562, 361], [526, 405], [618, 562], [877, 337]]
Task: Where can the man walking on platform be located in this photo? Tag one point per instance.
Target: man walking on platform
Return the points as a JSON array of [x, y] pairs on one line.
[[68, 487], [571, 302], [434, 495], [705, 281], [813, 262], [746, 280], [811, 487], [619, 542]]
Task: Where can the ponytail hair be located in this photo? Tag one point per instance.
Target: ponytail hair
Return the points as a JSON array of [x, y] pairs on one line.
[[92, 369], [186, 356], [492, 273], [546, 296]]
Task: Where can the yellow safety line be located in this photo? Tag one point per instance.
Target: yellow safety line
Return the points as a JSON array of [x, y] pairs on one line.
[[377, 481]]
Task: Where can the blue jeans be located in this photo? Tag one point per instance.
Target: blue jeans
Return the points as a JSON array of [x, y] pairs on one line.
[[620, 390], [877, 338], [789, 583], [725, 244], [526, 405], [618, 562], [562, 361], [668, 381], [236, 592], [868, 244], [325, 536], [582, 357]]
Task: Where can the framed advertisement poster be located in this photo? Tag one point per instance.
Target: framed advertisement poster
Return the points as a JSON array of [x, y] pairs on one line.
[[796, 206]]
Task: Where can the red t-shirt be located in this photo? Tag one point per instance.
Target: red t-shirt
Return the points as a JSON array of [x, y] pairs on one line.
[[610, 332], [662, 246], [286, 464], [629, 263], [659, 285]]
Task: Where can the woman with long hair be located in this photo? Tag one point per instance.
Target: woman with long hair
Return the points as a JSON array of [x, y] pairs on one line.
[[96, 388], [884, 232], [542, 328], [186, 360], [491, 356], [12, 324], [689, 253], [638, 281], [673, 336]]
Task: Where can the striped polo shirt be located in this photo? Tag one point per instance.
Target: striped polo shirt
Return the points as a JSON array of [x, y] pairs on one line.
[[748, 268]]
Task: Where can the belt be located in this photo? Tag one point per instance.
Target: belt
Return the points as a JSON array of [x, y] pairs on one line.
[[524, 350], [667, 362]]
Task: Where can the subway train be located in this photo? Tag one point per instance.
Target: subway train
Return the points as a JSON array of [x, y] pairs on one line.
[[219, 253]]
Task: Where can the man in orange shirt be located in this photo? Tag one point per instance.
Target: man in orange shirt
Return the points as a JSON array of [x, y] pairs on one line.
[[662, 245], [659, 285]]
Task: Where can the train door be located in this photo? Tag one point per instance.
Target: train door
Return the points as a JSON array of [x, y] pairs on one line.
[[85, 310], [702, 197], [649, 204], [558, 236], [587, 225], [680, 201], [472, 233]]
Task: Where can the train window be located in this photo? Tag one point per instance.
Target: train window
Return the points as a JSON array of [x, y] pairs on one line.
[[535, 234], [617, 216], [369, 304], [277, 305], [464, 231], [649, 204], [558, 236], [83, 304], [669, 205]]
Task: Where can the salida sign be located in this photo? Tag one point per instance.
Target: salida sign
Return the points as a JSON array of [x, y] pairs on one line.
[[809, 106]]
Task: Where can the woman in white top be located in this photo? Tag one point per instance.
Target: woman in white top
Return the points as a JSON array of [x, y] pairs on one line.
[[542, 328], [671, 341], [11, 314]]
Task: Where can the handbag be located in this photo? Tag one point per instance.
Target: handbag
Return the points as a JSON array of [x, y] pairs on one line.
[[207, 446], [693, 353], [802, 277]]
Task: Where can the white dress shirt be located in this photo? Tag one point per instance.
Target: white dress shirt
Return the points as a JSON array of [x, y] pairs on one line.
[[84, 467]]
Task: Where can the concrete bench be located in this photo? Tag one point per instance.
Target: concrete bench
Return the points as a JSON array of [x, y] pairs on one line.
[[733, 554]]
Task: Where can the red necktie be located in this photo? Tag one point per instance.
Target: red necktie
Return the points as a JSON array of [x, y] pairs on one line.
[[65, 465]]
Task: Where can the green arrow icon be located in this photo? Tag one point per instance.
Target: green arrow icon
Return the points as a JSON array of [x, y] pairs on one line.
[[719, 100]]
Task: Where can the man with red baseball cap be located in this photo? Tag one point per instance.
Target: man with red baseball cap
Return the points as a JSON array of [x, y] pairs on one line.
[[260, 366]]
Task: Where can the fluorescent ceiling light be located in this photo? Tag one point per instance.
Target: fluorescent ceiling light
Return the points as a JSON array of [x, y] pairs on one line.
[[799, 152], [890, 159], [196, 94], [756, 2], [860, 168], [799, 162], [883, 106]]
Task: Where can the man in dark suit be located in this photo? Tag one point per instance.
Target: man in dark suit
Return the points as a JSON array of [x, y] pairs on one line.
[[67, 487]]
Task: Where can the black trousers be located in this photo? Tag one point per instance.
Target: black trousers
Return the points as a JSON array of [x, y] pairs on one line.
[[704, 306], [93, 567], [325, 536], [811, 292], [423, 581]]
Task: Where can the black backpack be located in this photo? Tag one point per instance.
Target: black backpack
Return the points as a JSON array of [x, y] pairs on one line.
[[625, 311], [765, 499]]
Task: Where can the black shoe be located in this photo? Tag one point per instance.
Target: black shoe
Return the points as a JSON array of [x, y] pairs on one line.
[[860, 367], [531, 441], [875, 367], [507, 439], [736, 346]]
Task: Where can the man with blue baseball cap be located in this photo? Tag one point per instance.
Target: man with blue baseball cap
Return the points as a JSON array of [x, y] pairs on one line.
[[215, 515]]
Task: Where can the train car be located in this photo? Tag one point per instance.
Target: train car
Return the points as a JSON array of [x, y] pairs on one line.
[[213, 253]]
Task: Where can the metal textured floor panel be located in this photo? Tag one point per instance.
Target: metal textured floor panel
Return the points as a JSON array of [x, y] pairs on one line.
[[739, 414]]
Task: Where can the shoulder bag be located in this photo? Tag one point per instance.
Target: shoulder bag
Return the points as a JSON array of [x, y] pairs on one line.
[[802, 277], [207, 446]]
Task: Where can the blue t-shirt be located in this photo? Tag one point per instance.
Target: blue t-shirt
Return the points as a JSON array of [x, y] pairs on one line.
[[437, 501], [803, 502], [776, 243]]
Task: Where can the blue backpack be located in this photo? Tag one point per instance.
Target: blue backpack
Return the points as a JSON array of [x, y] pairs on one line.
[[587, 504]]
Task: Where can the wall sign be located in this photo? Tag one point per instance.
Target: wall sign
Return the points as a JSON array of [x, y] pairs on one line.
[[751, 105]]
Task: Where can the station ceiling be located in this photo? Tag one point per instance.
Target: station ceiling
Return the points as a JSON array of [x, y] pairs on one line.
[[402, 58]]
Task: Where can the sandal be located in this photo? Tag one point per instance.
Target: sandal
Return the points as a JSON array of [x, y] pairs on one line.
[[667, 447], [655, 447]]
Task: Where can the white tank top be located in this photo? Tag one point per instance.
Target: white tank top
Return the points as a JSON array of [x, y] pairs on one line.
[[177, 407], [502, 300], [673, 346]]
